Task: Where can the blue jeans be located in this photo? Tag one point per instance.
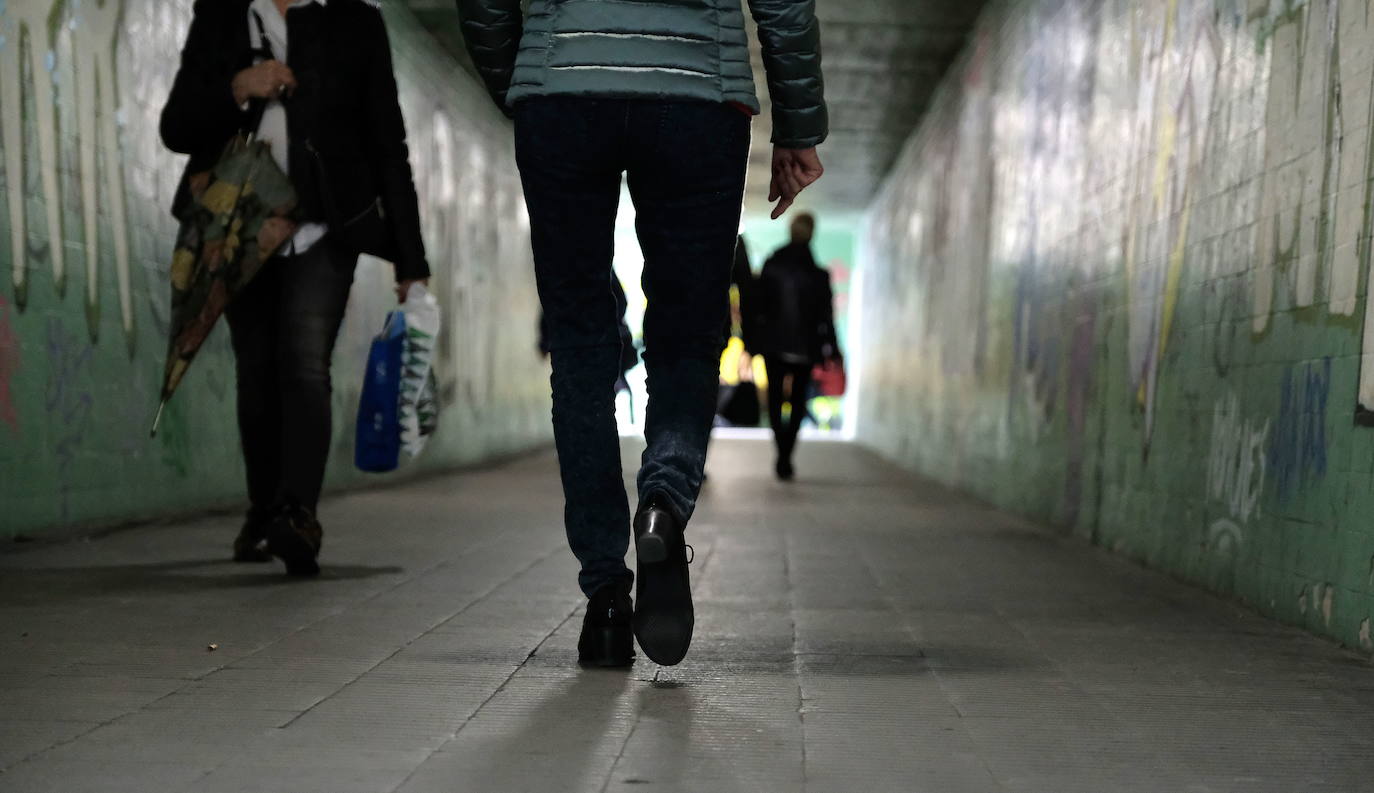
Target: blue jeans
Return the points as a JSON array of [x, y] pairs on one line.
[[685, 163]]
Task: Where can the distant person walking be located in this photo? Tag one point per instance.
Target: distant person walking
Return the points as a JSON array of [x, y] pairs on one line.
[[794, 329], [663, 92], [323, 70]]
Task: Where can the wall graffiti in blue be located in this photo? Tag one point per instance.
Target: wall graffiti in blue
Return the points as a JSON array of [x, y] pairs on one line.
[[1297, 449]]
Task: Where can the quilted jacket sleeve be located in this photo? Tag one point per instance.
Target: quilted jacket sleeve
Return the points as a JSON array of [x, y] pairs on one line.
[[791, 40], [491, 29]]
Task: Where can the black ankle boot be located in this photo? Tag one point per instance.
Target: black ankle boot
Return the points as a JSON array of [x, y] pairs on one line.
[[295, 537], [663, 591], [607, 638], [250, 545]]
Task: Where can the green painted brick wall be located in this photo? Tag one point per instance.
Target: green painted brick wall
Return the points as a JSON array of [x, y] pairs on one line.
[[1118, 281], [85, 240]]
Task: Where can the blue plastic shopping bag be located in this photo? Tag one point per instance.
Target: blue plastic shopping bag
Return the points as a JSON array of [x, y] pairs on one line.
[[378, 447]]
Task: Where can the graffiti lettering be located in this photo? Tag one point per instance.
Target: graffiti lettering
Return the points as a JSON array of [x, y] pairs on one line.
[[1236, 462], [1297, 455]]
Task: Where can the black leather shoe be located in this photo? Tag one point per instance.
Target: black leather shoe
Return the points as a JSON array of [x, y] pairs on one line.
[[784, 470], [295, 537], [251, 544], [663, 591], [607, 639]]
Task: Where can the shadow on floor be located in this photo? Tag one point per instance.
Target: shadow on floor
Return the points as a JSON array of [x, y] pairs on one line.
[[171, 577], [566, 736]]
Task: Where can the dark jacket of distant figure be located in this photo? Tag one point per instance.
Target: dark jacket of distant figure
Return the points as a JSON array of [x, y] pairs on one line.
[[792, 306], [629, 355], [742, 277], [349, 160], [654, 49]]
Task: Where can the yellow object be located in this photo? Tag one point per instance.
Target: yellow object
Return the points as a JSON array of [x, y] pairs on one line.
[[730, 364], [220, 197], [182, 262]]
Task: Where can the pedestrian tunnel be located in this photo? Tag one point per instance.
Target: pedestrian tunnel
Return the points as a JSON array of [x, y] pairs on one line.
[[1104, 265]]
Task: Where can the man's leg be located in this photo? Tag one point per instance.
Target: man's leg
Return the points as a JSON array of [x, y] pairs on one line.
[[316, 287], [799, 379], [686, 177], [777, 394], [568, 153], [686, 172]]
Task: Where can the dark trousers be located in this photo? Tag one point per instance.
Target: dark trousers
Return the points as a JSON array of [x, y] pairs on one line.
[[283, 326], [787, 382], [685, 163]]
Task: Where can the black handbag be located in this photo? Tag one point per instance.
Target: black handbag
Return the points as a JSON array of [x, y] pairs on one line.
[[739, 405]]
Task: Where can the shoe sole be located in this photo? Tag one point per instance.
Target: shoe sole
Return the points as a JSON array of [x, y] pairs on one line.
[[295, 551], [663, 618], [665, 640]]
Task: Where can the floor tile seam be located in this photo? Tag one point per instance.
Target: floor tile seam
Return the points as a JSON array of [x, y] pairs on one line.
[[59, 744], [505, 682], [10, 719], [1124, 728], [302, 629], [195, 784], [449, 561], [696, 584], [909, 629], [97, 724], [467, 606], [620, 753], [796, 660], [1096, 698], [35, 755]]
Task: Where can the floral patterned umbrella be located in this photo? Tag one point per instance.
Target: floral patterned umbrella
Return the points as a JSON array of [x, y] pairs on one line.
[[240, 213]]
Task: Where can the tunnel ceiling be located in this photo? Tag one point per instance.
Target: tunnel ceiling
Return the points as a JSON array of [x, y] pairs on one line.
[[883, 60]]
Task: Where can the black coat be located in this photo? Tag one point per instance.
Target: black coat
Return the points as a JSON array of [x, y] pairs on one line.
[[793, 307], [347, 137]]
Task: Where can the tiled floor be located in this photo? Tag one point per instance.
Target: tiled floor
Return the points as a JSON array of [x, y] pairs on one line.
[[858, 631]]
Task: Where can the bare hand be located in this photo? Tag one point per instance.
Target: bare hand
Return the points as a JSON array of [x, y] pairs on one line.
[[746, 368], [267, 80], [404, 286], [794, 170]]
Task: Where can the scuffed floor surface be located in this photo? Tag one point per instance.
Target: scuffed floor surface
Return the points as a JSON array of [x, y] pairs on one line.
[[857, 631]]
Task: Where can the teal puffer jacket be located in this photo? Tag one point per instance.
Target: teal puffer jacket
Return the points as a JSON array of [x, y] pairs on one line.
[[663, 49]]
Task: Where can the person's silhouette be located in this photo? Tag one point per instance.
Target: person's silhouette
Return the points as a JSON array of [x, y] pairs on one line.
[[794, 329], [663, 94]]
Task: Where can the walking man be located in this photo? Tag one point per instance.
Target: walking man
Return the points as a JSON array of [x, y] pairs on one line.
[[661, 92]]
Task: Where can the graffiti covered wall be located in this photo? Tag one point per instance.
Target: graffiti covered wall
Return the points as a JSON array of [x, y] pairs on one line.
[[85, 243], [1121, 275]]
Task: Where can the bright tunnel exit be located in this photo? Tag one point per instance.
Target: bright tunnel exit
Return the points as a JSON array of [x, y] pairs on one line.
[[834, 247]]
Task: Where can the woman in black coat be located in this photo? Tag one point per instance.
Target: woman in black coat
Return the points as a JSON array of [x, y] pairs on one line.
[[320, 73]]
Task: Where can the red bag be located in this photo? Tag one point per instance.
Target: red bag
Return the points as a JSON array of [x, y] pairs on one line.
[[829, 377]]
